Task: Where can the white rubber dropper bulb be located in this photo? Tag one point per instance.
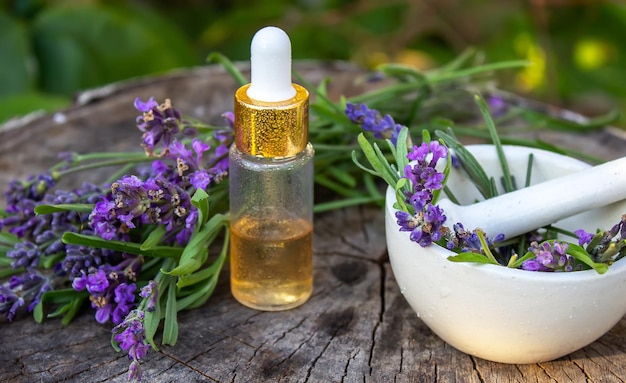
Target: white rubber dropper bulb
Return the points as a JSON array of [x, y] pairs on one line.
[[270, 66]]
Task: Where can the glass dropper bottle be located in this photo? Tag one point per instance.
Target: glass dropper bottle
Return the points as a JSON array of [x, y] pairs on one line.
[[271, 182]]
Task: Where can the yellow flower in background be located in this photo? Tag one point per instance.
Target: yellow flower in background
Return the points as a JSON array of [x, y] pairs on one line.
[[534, 75], [591, 53], [415, 58]]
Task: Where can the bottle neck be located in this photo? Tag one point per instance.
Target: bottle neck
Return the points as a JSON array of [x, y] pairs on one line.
[[271, 129]]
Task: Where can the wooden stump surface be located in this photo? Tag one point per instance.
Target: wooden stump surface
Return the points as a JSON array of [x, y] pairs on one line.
[[356, 327]]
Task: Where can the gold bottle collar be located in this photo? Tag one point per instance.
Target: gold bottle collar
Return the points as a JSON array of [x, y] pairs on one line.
[[272, 129]]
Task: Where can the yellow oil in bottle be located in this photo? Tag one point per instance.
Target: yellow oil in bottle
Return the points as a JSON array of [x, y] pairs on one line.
[[271, 262]]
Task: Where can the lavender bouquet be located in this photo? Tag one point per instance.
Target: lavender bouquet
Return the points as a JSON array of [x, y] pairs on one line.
[[137, 249], [151, 239]]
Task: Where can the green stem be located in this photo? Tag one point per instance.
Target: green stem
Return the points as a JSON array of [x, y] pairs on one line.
[[96, 165]]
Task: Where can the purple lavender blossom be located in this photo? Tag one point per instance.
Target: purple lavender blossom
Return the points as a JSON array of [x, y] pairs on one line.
[[150, 292], [24, 254], [583, 237], [193, 166], [33, 189], [420, 153], [605, 246], [80, 259], [469, 241], [497, 105], [426, 226], [25, 290], [160, 123], [550, 257], [111, 290], [130, 335], [372, 121], [10, 302], [423, 174], [45, 231], [135, 202]]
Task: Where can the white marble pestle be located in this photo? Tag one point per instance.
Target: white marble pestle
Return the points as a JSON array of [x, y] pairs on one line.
[[544, 203]]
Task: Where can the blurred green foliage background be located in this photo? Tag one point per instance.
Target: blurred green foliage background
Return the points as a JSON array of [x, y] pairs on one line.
[[49, 50]]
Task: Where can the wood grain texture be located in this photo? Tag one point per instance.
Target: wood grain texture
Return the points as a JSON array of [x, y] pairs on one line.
[[356, 327]]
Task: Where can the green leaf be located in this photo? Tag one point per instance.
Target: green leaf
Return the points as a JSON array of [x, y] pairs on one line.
[[581, 254], [77, 207], [377, 160], [114, 344], [436, 77], [516, 264], [474, 170], [402, 71], [323, 100], [66, 297], [200, 200], [458, 62], [153, 238], [321, 179], [402, 149], [559, 123], [362, 167], [347, 202], [446, 175], [342, 176], [48, 261], [123, 247], [196, 251], [151, 323], [224, 61], [170, 326], [472, 257], [191, 279], [201, 295], [10, 271], [8, 238], [495, 139], [38, 312], [529, 170]]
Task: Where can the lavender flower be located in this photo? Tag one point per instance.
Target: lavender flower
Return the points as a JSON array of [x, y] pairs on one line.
[[111, 293], [469, 241], [423, 174], [24, 254], [42, 233], [131, 336], [195, 167], [150, 292], [25, 290], [583, 237], [605, 246], [134, 202], [497, 106], [160, 123], [550, 257], [33, 189], [372, 121], [80, 259], [426, 226]]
